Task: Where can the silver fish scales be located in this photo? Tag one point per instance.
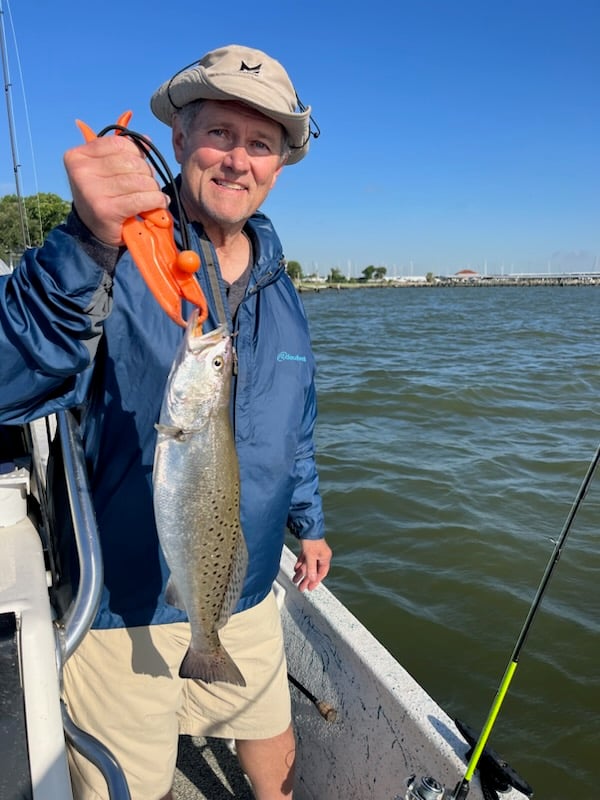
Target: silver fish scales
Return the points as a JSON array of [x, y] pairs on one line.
[[196, 498]]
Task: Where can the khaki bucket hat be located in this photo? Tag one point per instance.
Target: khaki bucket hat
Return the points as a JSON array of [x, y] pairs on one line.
[[243, 74]]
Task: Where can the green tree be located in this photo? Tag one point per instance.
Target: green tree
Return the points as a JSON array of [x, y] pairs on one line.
[[336, 276], [380, 273], [294, 270], [368, 272], [43, 212]]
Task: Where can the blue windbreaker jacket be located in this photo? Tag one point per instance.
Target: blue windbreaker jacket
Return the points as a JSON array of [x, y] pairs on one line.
[[73, 335]]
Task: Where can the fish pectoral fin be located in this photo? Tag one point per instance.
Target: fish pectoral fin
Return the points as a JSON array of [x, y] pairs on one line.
[[178, 433], [172, 595], [171, 431]]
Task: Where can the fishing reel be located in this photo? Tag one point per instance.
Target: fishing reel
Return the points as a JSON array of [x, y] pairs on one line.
[[425, 788], [428, 788]]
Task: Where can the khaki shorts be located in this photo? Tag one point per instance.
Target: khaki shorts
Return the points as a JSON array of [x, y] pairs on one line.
[[122, 685]]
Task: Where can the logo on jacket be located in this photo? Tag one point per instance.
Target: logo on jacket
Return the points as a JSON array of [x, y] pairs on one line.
[[283, 356]]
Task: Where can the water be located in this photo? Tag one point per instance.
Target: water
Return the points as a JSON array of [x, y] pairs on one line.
[[455, 428]]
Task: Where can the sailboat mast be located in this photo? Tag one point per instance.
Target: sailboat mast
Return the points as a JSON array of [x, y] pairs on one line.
[[11, 129]]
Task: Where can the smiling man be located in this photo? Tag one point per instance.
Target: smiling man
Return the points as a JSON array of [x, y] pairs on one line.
[[231, 157], [80, 327]]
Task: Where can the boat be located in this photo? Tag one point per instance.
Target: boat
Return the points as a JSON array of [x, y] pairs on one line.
[[365, 728]]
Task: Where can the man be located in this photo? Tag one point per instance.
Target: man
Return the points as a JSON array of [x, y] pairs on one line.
[[79, 327]]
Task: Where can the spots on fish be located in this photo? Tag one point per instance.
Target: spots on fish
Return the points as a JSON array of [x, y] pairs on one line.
[[196, 497]]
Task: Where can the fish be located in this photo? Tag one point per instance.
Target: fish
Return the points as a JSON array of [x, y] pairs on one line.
[[196, 496]]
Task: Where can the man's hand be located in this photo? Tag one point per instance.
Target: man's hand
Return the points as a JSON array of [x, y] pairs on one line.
[[312, 564], [110, 182]]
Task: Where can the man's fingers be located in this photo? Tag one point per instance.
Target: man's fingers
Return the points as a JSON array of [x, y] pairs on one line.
[[110, 182]]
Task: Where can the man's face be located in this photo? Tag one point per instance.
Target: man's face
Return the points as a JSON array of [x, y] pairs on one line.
[[230, 159]]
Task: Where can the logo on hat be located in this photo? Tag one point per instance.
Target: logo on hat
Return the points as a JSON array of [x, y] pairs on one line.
[[246, 68]]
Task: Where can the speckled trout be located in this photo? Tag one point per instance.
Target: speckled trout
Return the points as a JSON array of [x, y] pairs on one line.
[[197, 498]]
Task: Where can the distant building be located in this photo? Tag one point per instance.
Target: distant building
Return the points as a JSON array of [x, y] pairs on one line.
[[466, 274]]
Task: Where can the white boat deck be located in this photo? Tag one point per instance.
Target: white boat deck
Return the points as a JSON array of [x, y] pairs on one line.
[[24, 593]]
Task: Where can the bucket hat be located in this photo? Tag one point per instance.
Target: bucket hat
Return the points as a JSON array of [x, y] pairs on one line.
[[239, 73]]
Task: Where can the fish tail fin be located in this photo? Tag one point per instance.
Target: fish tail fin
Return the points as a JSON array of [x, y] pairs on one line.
[[210, 667]]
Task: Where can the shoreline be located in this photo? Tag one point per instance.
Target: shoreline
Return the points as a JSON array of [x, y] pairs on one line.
[[471, 283]]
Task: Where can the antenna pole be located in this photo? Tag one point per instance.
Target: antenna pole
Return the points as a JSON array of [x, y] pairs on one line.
[[11, 129]]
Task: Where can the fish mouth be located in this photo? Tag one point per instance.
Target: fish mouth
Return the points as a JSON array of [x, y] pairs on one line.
[[197, 340]]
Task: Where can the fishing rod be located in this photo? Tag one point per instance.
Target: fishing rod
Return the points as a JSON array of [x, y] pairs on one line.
[[327, 711], [428, 788]]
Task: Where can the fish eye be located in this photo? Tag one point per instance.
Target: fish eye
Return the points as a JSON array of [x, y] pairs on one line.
[[218, 362]]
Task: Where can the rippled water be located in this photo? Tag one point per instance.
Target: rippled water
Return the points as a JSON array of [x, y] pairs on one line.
[[455, 428]]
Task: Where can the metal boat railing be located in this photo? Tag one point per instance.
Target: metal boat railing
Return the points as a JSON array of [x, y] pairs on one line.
[[80, 614], [78, 617]]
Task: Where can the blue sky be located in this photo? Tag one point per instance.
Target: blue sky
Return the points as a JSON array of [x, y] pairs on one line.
[[454, 133]]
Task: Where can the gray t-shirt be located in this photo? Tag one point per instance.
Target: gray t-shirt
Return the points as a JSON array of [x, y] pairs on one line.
[[237, 289]]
